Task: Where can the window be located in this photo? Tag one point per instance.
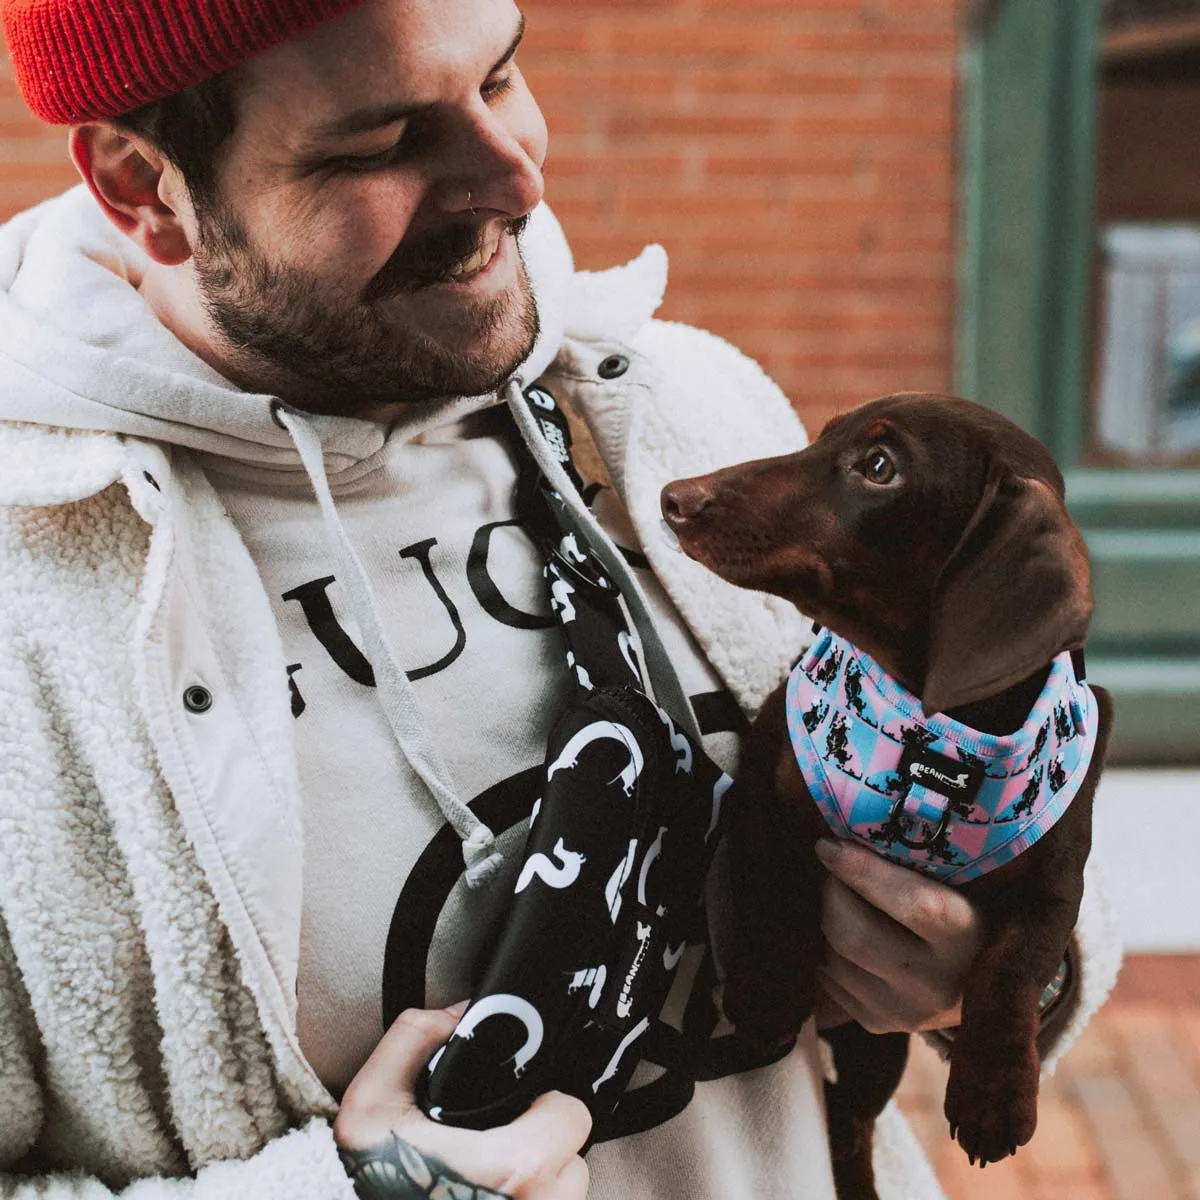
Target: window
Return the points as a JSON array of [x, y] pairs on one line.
[[1146, 383], [1080, 313]]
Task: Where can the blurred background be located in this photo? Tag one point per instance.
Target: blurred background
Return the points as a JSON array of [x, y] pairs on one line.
[[999, 198]]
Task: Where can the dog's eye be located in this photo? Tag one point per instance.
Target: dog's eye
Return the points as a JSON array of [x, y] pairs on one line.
[[878, 466]]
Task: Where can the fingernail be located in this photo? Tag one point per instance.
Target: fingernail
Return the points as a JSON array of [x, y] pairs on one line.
[[457, 1010], [828, 849]]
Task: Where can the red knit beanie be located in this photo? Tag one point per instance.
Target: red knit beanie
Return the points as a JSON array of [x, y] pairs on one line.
[[82, 60]]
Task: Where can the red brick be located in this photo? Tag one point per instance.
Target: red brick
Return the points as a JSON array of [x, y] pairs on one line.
[[997, 1181]]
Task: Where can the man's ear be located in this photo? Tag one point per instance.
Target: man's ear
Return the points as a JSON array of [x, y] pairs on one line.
[[1015, 592], [135, 186]]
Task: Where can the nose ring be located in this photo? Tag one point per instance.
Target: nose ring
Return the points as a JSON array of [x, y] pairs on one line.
[[470, 207]]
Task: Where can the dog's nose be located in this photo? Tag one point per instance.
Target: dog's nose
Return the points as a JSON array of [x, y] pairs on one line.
[[684, 500]]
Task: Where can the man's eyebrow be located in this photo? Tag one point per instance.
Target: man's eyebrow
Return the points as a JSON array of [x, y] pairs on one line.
[[376, 116], [512, 46]]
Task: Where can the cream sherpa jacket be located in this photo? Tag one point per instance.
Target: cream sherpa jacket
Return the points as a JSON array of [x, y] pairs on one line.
[[150, 855]]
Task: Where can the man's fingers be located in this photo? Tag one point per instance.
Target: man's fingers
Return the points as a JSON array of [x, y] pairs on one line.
[[829, 1014], [921, 1004], [573, 1182], [859, 932], [899, 942], [533, 1157], [570, 1184], [404, 1050], [931, 910], [852, 1006], [558, 1125]]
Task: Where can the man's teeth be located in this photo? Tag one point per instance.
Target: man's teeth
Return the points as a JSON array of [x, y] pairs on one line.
[[478, 260]]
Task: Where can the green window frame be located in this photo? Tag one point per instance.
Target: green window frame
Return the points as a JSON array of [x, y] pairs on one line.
[[1027, 233]]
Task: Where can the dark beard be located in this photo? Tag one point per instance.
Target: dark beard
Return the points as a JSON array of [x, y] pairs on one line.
[[346, 359]]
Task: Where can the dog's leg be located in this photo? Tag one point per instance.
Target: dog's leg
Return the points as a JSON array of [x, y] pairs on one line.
[[869, 1067], [771, 987], [1029, 908], [991, 1098]]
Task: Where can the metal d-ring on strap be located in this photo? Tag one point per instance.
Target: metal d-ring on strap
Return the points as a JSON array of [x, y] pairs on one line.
[[931, 839]]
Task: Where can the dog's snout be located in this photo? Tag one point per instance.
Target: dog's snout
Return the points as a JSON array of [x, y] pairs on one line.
[[684, 500]]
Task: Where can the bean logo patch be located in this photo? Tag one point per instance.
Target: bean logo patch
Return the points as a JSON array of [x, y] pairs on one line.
[[947, 776]]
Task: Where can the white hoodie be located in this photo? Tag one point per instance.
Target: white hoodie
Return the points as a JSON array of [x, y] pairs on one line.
[[180, 835], [426, 507]]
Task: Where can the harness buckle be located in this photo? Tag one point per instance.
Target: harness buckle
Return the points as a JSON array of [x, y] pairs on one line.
[[897, 816]]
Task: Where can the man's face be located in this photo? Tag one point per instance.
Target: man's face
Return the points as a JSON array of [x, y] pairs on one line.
[[363, 253]]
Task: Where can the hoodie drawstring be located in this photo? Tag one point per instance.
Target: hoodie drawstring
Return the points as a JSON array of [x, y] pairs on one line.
[[394, 689]]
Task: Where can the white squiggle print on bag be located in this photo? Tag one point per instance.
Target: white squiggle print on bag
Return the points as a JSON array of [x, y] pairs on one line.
[[719, 789], [654, 850], [616, 881], [679, 743], [592, 977], [610, 1072], [597, 731], [561, 876], [511, 1006]]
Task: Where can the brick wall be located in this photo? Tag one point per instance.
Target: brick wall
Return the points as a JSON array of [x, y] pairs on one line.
[[795, 157]]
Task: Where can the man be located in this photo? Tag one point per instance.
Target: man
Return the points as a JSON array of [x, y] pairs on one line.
[[275, 670]]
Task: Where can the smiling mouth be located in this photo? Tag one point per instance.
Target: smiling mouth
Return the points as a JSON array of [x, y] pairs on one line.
[[478, 262], [429, 262]]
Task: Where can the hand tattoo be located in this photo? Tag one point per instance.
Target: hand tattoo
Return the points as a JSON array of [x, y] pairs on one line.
[[399, 1171]]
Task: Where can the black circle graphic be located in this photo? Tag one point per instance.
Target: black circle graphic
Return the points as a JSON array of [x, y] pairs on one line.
[[429, 885]]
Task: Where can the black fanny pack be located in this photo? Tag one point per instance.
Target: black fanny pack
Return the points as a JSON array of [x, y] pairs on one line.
[[611, 886]]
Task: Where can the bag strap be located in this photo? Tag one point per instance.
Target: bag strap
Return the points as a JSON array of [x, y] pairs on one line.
[[601, 646], [590, 613]]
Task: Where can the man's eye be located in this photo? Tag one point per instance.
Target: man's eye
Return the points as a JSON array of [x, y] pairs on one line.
[[877, 466], [495, 88], [367, 162]]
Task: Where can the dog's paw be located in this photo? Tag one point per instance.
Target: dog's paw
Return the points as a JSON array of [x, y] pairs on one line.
[[991, 1103]]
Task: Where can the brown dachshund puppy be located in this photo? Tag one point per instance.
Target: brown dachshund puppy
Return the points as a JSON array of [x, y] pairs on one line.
[[931, 533]]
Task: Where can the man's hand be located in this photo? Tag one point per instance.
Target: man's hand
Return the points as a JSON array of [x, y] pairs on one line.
[[899, 944], [392, 1151]]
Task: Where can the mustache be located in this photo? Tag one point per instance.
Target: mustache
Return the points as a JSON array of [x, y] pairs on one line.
[[430, 259]]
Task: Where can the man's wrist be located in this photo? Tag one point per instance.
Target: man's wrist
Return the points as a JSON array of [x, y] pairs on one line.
[[397, 1170], [1056, 989]]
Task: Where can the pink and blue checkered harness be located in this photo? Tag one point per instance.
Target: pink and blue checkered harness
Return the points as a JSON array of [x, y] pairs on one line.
[[927, 791]]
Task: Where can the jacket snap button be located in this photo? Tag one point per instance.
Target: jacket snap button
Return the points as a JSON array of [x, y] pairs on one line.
[[613, 367], [197, 699]]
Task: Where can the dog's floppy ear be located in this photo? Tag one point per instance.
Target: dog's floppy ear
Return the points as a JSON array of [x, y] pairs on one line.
[[1014, 593]]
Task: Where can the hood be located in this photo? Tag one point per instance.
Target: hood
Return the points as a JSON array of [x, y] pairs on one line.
[[83, 350]]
